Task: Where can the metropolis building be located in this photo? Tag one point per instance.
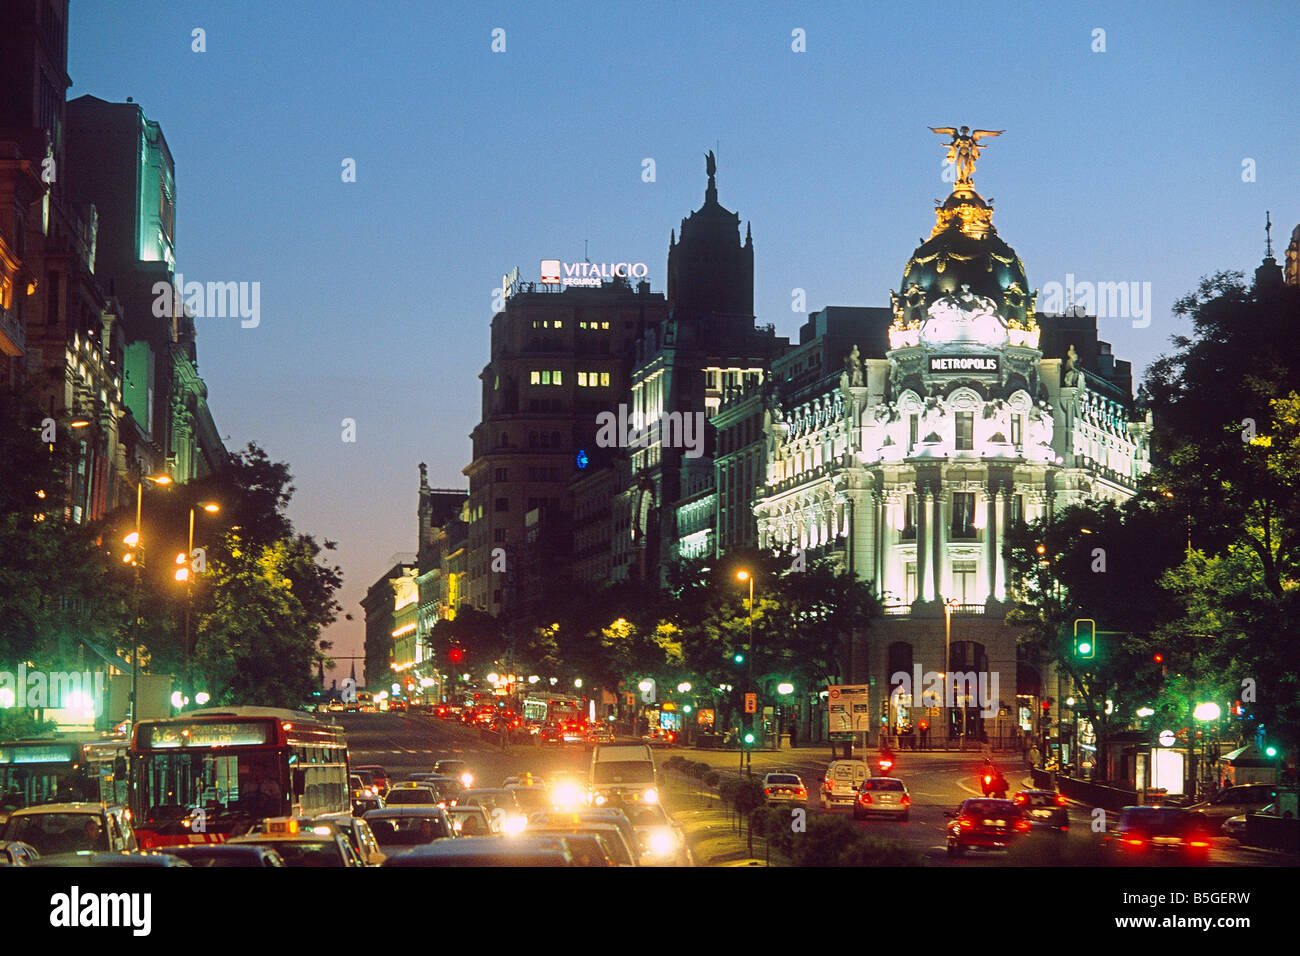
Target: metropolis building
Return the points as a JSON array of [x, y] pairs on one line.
[[907, 453]]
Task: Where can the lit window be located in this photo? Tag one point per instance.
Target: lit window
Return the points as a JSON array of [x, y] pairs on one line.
[[559, 323], [605, 326], [963, 514], [555, 377], [604, 378], [582, 379], [534, 378]]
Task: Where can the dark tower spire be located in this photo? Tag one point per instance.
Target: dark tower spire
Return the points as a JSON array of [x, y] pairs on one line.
[[1268, 277], [711, 167]]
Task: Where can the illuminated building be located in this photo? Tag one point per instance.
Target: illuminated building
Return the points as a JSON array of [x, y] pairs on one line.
[[558, 359], [913, 439]]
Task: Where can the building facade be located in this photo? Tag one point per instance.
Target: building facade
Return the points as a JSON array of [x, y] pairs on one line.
[[909, 458]]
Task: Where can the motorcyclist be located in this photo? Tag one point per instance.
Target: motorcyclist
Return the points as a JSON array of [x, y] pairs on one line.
[[998, 784]]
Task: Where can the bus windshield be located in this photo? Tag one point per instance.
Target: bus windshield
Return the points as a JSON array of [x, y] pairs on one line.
[[221, 784], [38, 772]]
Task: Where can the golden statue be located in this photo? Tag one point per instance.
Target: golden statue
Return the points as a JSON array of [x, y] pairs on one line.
[[964, 149]]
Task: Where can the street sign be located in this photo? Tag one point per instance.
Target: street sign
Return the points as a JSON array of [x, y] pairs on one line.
[[849, 708], [840, 737], [751, 703]]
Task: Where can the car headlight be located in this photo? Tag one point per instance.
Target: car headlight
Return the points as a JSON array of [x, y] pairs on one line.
[[651, 796], [599, 800], [467, 779], [514, 825], [661, 842]]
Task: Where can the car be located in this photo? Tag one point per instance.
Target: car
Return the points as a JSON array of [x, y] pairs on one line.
[[662, 839], [1161, 834], [524, 779], [445, 787], [1045, 810], [1235, 827], [399, 828], [356, 831], [586, 847], [403, 795], [600, 734], [1234, 801], [612, 840], [55, 828], [121, 858], [984, 823], [599, 816], [786, 788], [840, 785], [15, 853], [335, 707], [531, 799], [469, 821], [455, 768], [379, 776], [300, 846], [885, 795], [489, 851], [567, 791], [502, 807], [397, 705], [221, 855]]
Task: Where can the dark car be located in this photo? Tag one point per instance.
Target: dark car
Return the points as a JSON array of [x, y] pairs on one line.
[[982, 823], [398, 829], [489, 851], [1045, 810], [131, 858], [223, 855], [1161, 835], [378, 775]]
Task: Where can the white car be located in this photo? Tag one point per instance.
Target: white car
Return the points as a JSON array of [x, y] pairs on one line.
[[662, 839], [885, 795], [785, 788]]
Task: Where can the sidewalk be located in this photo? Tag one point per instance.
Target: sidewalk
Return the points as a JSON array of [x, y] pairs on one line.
[[710, 830]]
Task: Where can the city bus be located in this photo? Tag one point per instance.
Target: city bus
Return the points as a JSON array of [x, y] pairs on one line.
[[211, 774], [63, 768]]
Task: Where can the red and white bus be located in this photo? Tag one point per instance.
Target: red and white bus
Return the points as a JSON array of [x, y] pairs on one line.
[[214, 773]]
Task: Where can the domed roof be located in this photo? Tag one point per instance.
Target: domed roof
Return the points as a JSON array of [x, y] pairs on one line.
[[964, 250]]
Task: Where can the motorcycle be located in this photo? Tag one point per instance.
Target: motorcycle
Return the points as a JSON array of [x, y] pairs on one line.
[[993, 784]]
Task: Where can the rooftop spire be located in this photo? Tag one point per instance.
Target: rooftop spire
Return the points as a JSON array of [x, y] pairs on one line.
[[1268, 236], [711, 167]]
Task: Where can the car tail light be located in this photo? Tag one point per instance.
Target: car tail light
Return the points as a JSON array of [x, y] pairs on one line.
[[1060, 800], [1133, 841], [866, 798], [988, 779], [767, 790], [966, 822], [907, 801], [1022, 825], [1199, 843], [1020, 797], [802, 792]]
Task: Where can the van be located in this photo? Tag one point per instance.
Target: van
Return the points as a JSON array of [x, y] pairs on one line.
[[843, 779], [622, 773]]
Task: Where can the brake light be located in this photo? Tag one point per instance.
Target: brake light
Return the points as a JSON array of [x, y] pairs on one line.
[[964, 821], [767, 790], [866, 798], [1022, 825], [802, 792], [1133, 841], [1060, 800], [988, 779], [1199, 843], [907, 801], [1020, 797]]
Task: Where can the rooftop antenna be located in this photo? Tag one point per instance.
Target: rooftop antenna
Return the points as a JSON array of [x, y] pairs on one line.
[[584, 251], [1268, 233]]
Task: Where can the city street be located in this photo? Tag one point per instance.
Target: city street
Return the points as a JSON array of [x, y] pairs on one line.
[[937, 782]]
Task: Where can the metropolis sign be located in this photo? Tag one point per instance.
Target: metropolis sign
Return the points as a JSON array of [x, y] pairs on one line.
[[963, 363]]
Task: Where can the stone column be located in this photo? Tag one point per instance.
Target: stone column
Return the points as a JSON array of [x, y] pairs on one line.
[[923, 592], [940, 537], [1000, 562], [991, 539]]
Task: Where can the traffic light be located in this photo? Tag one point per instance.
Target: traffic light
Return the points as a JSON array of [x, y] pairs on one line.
[[749, 738], [738, 657], [455, 655], [1085, 638]]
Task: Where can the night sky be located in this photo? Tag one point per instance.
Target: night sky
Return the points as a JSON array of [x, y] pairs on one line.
[[376, 296]]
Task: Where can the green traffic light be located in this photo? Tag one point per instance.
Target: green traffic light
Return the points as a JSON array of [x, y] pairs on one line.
[[749, 739], [1085, 648], [1270, 751], [739, 658]]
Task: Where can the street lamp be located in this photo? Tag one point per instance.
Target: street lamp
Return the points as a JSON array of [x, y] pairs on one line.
[[134, 541], [1203, 713], [948, 607]]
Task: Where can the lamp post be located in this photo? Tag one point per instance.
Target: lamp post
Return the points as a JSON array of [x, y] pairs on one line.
[[137, 544], [186, 573], [948, 606], [744, 575]]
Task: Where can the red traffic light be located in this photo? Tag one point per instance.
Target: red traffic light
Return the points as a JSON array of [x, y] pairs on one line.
[[1046, 705], [456, 655], [1158, 657]]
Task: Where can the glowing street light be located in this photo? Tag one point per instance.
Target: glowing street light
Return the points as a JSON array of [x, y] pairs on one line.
[[644, 686], [684, 687], [785, 688]]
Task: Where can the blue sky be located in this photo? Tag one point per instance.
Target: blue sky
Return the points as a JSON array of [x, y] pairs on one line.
[[376, 295]]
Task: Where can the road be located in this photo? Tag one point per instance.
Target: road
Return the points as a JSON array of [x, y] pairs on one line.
[[937, 782]]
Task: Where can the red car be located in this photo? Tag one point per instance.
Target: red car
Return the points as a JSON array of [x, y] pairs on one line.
[[985, 824], [378, 774]]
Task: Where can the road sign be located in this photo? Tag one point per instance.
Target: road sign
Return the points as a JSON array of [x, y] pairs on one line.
[[751, 703], [838, 736], [849, 708]]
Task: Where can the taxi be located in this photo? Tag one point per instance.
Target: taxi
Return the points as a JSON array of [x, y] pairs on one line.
[[301, 845]]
